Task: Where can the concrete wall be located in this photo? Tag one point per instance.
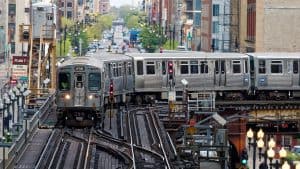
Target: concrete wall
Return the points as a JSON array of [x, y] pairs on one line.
[[281, 26]]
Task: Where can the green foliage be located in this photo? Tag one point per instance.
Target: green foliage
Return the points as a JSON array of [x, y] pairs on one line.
[[65, 22], [133, 22], [293, 156], [152, 38], [169, 45], [60, 46]]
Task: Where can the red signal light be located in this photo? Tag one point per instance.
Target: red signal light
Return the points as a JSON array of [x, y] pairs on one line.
[[170, 67]]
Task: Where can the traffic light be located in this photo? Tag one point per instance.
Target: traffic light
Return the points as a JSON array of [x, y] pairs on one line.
[[244, 157], [170, 70]]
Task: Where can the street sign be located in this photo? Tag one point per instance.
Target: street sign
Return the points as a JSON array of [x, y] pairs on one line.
[[23, 78]]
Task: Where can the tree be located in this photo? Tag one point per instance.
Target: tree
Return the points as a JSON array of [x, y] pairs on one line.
[[132, 22], [152, 38]]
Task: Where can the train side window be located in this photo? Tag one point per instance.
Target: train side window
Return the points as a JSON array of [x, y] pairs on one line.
[[217, 67], [203, 67], [94, 81], [64, 81], [246, 66], [129, 68], [120, 69], [222, 66], [150, 68], [276, 66], [184, 67], [140, 68], [295, 67], [115, 70], [236, 66], [163, 67], [261, 66], [194, 67]]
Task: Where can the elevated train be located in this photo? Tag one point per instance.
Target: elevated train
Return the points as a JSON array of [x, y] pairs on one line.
[[149, 76]]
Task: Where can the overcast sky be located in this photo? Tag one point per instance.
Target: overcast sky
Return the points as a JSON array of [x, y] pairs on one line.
[[119, 3]]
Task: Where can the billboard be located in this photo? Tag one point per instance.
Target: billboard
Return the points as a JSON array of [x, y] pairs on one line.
[[19, 67]]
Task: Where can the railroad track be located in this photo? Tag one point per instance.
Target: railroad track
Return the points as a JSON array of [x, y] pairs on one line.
[[71, 151], [145, 134]]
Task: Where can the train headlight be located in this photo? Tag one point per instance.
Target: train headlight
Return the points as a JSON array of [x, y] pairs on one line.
[[91, 97], [67, 97]]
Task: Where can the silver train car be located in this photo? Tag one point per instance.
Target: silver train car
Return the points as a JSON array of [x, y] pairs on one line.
[[275, 76], [79, 84], [109, 79], [225, 73], [83, 85]]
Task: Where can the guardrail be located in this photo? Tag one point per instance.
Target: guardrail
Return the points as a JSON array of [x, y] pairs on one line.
[[19, 144]]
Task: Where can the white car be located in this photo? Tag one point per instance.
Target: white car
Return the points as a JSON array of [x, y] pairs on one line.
[[296, 149]]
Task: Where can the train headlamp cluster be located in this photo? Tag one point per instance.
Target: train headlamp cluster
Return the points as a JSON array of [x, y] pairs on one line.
[[91, 97]]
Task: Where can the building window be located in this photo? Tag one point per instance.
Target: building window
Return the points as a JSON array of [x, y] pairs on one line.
[[276, 66], [62, 4], [150, 68], [215, 26], [69, 14], [184, 67], [286, 141], [12, 9], [215, 44], [197, 20], [216, 10], [69, 4], [236, 66], [13, 47]]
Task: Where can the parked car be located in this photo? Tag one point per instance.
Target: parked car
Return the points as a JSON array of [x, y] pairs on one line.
[[296, 149]]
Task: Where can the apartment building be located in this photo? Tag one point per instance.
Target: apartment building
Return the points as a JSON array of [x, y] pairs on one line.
[[269, 26], [3, 28], [216, 25], [104, 6]]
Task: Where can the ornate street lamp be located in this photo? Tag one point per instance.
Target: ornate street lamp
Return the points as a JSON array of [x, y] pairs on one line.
[[2, 112], [250, 136], [286, 165]]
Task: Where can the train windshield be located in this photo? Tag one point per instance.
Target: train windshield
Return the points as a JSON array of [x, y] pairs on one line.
[[94, 81], [64, 81]]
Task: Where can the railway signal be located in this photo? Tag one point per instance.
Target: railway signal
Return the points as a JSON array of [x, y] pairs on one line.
[[111, 90], [170, 70]]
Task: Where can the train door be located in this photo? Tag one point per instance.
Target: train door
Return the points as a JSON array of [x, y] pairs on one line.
[[220, 72], [296, 74], [125, 78], [164, 74], [79, 92]]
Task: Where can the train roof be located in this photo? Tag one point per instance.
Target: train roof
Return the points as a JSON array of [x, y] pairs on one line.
[[190, 55], [276, 55], [81, 60], [108, 56]]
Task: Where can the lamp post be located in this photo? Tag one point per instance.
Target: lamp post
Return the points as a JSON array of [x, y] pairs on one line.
[[7, 105], [17, 94], [250, 136], [268, 154], [13, 99], [2, 112]]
